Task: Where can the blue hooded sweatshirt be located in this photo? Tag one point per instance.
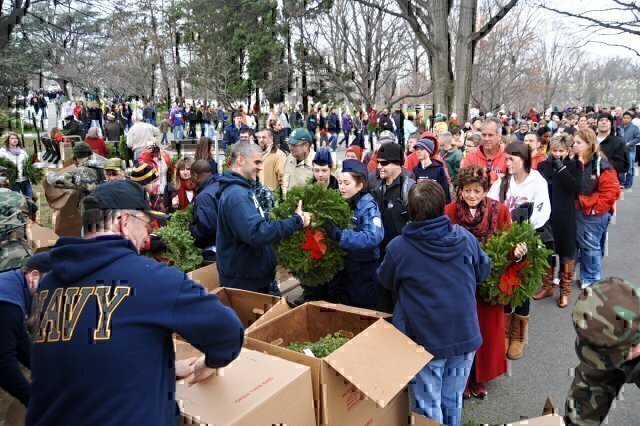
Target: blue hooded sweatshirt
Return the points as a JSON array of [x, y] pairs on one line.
[[433, 267], [205, 214], [14, 290], [244, 254], [102, 351]]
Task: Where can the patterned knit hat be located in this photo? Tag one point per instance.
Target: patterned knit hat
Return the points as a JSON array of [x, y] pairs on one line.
[[143, 174]]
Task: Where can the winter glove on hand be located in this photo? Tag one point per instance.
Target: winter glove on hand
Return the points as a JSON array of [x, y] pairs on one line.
[[156, 245], [333, 231], [557, 164]]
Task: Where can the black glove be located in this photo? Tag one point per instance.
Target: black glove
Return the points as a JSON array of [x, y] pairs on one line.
[[332, 230], [557, 164], [156, 245]]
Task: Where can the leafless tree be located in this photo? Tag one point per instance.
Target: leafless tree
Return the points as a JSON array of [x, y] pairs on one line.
[[363, 51]]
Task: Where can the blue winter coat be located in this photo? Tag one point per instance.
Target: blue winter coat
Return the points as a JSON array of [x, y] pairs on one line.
[[14, 290], [103, 351], [244, 254], [205, 214], [630, 135], [433, 268], [231, 134], [357, 281]]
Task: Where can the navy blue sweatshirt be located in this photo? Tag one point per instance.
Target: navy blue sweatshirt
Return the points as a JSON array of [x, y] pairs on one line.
[[434, 267], [205, 214], [15, 344], [434, 171], [102, 351], [244, 254]]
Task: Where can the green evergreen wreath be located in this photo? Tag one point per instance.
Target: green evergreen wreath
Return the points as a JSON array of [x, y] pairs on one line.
[[12, 170], [34, 174], [181, 251], [171, 167], [327, 206], [510, 284]]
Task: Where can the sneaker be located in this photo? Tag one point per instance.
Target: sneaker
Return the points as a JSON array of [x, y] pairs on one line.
[[479, 390], [584, 285], [577, 283]]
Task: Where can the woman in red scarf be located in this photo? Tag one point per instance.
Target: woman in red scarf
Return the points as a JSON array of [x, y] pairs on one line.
[[482, 217], [182, 191]]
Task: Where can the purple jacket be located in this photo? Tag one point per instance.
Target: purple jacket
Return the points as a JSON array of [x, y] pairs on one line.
[[347, 123]]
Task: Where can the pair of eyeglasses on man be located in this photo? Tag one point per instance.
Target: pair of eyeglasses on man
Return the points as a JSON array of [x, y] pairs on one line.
[[383, 163], [148, 224]]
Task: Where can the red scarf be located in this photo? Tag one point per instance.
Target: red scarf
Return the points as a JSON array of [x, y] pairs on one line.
[[185, 186], [484, 223]]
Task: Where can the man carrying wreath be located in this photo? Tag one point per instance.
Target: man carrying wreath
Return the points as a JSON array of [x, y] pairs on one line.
[[245, 257]]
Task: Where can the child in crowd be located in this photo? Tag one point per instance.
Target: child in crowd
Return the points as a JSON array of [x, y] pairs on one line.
[[436, 310], [428, 168]]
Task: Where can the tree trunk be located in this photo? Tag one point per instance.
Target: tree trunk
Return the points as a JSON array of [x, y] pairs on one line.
[[178, 73], [464, 57], [441, 59], [160, 59]]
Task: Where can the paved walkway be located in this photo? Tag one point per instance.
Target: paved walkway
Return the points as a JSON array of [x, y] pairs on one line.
[[546, 368]]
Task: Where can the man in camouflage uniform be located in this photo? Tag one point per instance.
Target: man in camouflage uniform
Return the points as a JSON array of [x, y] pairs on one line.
[[14, 210], [85, 177], [607, 321]]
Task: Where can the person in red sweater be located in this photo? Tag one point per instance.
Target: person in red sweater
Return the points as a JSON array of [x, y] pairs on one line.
[[535, 146], [482, 216], [489, 154], [596, 202], [96, 142], [160, 161]]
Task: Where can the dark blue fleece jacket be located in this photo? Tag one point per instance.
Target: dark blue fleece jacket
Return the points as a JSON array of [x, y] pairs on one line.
[[102, 351], [244, 254], [434, 267], [14, 290], [205, 214]]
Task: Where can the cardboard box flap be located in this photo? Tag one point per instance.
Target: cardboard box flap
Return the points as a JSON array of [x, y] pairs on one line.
[[351, 309], [381, 348]]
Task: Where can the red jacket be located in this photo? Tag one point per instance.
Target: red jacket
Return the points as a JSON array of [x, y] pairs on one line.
[[604, 198], [498, 163], [146, 157], [97, 145], [536, 159]]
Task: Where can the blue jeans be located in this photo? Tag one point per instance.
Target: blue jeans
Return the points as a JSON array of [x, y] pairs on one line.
[[178, 133], [23, 187], [436, 391], [165, 139], [333, 140], [590, 233], [628, 181]]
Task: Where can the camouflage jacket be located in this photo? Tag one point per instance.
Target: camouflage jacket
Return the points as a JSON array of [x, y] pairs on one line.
[[264, 197], [606, 318], [83, 178], [14, 210]]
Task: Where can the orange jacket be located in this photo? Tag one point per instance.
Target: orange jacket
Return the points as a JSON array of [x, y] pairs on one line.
[[498, 163]]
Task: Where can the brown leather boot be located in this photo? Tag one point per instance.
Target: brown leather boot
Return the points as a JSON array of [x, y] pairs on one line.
[[518, 335], [566, 278], [547, 286], [507, 330]]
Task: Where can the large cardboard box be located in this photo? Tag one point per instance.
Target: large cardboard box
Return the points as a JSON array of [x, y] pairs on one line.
[[252, 308], [364, 381], [66, 218], [255, 389], [40, 239], [207, 277]]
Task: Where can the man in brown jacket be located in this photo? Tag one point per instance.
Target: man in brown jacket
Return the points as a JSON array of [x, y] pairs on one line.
[[273, 160]]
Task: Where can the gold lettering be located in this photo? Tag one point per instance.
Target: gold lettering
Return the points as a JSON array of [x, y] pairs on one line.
[[107, 306], [73, 309], [50, 316]]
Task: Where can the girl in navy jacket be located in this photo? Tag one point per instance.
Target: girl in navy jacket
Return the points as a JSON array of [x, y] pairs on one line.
[[356, 284]]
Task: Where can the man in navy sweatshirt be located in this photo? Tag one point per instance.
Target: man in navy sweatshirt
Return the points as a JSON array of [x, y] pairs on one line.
[[244, 254], [16, 290], [102, 352], [433, 268]]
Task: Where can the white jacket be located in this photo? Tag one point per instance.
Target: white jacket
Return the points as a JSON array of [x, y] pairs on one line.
[[533, 189], [19, 160]]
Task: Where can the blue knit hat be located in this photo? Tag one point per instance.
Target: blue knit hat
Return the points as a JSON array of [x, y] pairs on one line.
[[323, 157], [354, 166]]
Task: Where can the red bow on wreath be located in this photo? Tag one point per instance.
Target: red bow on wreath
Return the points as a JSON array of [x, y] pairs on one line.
[[314, 243], [510, 278]]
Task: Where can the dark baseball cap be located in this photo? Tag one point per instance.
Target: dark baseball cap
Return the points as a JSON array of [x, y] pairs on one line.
[[125, 195]]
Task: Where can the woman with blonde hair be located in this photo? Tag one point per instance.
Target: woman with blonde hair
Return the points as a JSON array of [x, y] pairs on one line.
[[597, 198]]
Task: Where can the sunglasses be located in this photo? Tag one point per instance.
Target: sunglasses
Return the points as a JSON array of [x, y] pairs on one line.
[[383, 163]]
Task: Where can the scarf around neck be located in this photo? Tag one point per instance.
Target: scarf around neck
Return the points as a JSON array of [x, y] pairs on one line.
[[485, 221]]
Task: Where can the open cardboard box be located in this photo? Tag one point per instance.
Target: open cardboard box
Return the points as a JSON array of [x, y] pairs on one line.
[[252, 308], [254, 389], [549, 417], [40, 239], [363, 382], [207, 277]]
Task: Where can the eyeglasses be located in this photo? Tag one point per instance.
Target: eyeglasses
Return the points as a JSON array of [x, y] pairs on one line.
[[149, 225], [383, 163]]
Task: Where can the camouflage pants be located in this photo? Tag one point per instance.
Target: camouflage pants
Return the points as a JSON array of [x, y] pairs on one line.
[[593, 391]]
